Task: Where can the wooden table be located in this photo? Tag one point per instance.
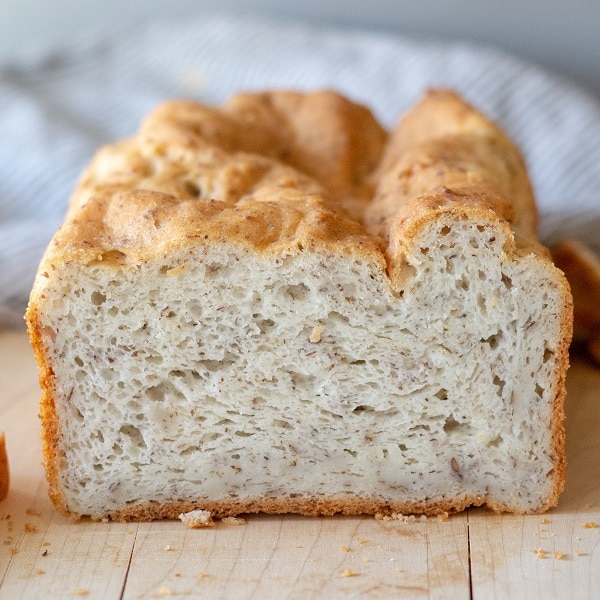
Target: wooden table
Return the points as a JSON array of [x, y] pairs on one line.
[[476, 554]]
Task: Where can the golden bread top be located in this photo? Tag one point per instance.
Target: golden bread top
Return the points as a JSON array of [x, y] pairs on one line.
[[281, 171]]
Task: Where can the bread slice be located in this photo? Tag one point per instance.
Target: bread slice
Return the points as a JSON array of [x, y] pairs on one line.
[[273, 307], [4, 477]]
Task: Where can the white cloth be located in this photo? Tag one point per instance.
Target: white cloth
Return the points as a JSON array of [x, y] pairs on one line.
[[56, 109]]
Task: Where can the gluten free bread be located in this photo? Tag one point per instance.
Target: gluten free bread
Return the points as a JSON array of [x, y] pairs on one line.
[[275, 306]]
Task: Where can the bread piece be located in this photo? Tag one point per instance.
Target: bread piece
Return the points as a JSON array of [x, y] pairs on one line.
[[582, 269], [268, 307], [4, 478]]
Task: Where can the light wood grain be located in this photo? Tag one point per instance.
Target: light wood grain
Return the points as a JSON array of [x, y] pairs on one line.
[[476, 554]]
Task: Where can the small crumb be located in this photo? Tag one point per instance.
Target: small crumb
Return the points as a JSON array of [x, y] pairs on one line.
[[346, 548], [46, 544], [233, 521], [545, 521], [41, 572], [365, 559], [14, 550], [590, 525], [164, 591], [559, 555], [81, 592], [129, 531], [362, 541], [348, 573], [33, 513], [177, 574], [315, 336], [169, 548], [443, 516], [31, 527], [201, 574], [400, 517], [540, 553], [398, 570], [579, 553], [197, 519], [298, 546]]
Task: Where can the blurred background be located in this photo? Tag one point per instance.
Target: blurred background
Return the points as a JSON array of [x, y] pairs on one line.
[[560, 35], [76, 74]]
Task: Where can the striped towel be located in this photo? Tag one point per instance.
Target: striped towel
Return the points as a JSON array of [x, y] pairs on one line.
[[57, 108]]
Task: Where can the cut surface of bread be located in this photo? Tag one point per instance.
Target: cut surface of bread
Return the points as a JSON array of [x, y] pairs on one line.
[[275, 306]]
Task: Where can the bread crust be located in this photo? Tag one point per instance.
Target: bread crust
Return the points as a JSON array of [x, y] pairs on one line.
[[283, 173], [4, 476]]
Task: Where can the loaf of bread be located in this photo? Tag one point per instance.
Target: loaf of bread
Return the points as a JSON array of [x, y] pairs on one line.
[[275, 306], [3, 469]]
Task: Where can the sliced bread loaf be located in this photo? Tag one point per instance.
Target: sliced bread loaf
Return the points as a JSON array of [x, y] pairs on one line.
[[272, 306]]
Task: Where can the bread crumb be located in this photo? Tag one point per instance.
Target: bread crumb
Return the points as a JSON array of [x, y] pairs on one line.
[[540, 553], [366, 559], [201, 574], [31, 527], [233, 521], [348, 573], [443, 516], [164, 591], [579, 553], [41, 572], [400, 517], [362, 541], [346, 548], [46, 543], [559, 555], [315, 336], [197, 519], [14, 550], [545, 521], [590, 525], [81, 592]]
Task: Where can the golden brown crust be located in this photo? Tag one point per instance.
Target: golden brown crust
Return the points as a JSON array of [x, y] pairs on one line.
[[278, 173], [4, 475]]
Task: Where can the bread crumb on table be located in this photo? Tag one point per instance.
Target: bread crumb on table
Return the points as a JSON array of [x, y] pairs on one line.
[[400, 517], [590, 525], [348, 573], [197, 519], [558, 555], [540, 553], [233, 521]]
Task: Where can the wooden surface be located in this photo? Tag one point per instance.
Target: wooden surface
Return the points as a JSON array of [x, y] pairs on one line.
[[476, 554]]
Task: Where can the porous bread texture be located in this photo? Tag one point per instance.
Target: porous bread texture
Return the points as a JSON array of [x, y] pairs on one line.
[[310, 319]]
